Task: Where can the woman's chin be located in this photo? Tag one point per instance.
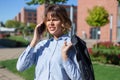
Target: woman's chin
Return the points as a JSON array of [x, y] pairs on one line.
[[51, 32]]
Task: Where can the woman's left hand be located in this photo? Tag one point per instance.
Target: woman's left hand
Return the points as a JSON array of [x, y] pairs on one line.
[[65, 49]]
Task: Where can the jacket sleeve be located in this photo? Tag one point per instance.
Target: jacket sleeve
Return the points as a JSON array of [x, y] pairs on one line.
[[26, 59], [72, 68]]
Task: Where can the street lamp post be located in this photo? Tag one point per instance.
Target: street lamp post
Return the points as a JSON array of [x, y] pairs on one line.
[[71, 18], [111, 23]]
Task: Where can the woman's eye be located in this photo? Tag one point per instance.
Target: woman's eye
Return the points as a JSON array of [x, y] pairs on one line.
[[55, 19], [48, 19]]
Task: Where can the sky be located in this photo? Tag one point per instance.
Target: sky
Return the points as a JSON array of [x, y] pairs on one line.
[[10, 8]]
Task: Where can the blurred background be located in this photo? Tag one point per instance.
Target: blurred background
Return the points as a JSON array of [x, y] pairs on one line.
[[97, 22]]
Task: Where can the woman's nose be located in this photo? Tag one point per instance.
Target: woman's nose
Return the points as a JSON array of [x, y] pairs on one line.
[[51, 22]]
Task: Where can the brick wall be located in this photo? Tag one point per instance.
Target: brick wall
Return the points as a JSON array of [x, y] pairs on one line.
[[40, 13], [111, 6]]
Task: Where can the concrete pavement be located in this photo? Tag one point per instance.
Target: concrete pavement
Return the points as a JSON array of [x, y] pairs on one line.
[[5, 54], [7, 75], [10, 53]]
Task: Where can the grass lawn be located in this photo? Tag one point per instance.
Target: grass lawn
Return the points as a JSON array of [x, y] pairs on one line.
[[106, 72], [102, 72], [11, 66]]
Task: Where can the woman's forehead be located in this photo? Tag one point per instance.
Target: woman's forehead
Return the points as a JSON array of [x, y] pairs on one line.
[[52, 15]]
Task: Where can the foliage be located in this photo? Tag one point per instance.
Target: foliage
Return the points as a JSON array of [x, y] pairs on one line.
[[28, 29], [35, 2], [14, 41], [2, 24], [21, 28], [108, 51], [12, 23], [17, 38], [98, 16], [32, 25], [107, 47]]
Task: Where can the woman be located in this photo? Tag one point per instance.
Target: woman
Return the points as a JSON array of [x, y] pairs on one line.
[[54, 58]]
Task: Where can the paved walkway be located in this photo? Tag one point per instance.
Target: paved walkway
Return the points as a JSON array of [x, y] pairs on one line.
[[5, 54]]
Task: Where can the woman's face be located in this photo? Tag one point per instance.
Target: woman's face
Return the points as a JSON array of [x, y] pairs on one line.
[[54, 26]]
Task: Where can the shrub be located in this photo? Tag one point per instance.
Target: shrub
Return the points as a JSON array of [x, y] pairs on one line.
[[13, 42], [109, 50], [7, 43]]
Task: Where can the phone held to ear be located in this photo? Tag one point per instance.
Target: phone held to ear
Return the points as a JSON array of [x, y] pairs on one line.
[[41, 29]]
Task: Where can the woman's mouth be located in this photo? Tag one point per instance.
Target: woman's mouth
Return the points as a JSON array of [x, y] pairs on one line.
[[51, 28]]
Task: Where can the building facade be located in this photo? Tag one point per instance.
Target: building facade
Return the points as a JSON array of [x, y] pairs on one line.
[[109, 32], [118, 30], [105, 33], [27, 15]]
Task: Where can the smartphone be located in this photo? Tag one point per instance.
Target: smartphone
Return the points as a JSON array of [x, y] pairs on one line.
[[42, 28]]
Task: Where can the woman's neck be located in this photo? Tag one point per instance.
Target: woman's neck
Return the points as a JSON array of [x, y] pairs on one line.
[[57, 36]]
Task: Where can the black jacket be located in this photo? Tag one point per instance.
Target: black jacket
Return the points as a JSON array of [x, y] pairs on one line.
[[83, 58]]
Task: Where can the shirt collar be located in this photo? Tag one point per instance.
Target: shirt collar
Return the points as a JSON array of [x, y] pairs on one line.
[[63, 37]]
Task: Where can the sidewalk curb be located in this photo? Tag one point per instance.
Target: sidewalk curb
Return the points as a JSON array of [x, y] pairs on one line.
[[7, 75], [6, 54]]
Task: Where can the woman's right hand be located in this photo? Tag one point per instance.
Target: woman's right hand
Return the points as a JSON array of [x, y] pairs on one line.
[[37, 35]]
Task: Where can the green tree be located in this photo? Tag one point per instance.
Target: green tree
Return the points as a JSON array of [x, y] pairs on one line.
[[97, 18], [12, 23], [2, 24], [30, 28], [20, 29], [32, 25], [26, 29], [46, 2]]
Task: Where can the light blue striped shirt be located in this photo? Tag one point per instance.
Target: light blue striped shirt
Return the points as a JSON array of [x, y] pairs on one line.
[[47, 57]]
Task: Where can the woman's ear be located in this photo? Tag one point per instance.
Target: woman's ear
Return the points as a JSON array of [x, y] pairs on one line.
[[62, 25], [63, 28]]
